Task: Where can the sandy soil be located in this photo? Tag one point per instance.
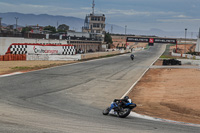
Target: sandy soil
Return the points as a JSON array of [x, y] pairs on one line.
[[182, 48], [15, 66], [172, 94]]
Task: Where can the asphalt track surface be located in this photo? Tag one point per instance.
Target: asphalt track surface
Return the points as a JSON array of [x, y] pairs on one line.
[[70, 98]]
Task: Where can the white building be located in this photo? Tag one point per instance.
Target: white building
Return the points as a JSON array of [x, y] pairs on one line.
[[95, 24], [197, 49]]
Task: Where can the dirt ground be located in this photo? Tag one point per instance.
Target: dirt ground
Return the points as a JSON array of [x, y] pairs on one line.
[[172, 94], [23, 66], [163, 93], [184, 48]]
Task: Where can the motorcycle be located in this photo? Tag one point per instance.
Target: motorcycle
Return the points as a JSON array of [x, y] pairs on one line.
[[132, 57], [120, 110]]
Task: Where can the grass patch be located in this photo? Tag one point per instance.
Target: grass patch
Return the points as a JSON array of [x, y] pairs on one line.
[[147, 47], [166, 56], [21, 68]]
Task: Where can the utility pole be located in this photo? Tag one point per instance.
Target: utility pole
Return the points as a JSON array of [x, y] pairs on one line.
[[198, 38], [93, 4], [125, 29], [185, 39], [0, 24], [57, 26], [16, 22], [192, 35], [111, 28], [199, 33]]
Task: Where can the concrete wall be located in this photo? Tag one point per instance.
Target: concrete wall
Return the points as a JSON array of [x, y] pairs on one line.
[[53, 57], [73, 57], [189, 62], [5, 42], [78, 34], [186, 56], [99, 54]]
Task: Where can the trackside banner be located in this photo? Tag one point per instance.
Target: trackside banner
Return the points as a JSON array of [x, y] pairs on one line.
[[20, 48], [161, 40], [134, 39], [151, 40]]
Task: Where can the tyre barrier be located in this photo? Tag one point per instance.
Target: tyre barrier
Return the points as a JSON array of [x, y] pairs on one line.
[[171, 62], [12, 57]]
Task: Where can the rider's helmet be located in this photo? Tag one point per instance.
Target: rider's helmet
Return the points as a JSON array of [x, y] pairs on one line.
[[126, 98]]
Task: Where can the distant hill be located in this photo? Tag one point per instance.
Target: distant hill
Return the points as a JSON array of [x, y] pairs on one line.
[[151, 32], [42, 20], [75, 24]]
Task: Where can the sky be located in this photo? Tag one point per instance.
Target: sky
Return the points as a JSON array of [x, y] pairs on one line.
[[167, 15]]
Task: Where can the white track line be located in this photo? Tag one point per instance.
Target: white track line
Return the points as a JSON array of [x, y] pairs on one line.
[[10, 74], [133, 114], [139, 78]]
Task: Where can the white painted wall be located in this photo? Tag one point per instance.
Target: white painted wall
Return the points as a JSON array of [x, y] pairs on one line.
[[190, 62], [53, 57], [78, 34], [186, 56], [5, 42], [197, 49]]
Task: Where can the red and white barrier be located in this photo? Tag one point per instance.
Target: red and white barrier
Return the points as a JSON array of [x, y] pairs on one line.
[[26, 48], [31, 51]]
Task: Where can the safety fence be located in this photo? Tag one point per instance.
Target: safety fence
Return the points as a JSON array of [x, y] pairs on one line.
[[12, 57]]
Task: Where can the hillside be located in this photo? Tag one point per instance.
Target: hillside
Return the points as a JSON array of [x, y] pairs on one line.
[[76, 24]]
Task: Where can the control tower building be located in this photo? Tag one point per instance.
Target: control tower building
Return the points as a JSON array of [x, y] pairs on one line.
[[95, 24]]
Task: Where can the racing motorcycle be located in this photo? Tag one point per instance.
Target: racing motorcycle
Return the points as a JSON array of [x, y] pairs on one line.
[[120, 110], [132, 56]]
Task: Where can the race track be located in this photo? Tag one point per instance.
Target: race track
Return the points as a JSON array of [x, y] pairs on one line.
[[70, 99]]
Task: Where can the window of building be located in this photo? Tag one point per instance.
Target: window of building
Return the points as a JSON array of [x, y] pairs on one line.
[[98, 31], [96, 25]]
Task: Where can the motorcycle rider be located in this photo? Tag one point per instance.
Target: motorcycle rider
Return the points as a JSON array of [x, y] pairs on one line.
[[132, 56], [119, 103]]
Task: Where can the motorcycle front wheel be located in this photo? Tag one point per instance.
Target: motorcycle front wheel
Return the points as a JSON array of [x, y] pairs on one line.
[[124, 112], [106, 111]]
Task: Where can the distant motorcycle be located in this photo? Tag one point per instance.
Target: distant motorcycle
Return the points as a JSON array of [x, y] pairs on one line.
[[132, 56], [120, 110]]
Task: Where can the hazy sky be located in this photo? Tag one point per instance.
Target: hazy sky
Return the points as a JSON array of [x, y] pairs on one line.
[[168, 15]]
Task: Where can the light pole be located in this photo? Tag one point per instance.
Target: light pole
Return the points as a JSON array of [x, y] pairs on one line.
[[191, 35], [185, 39], [125, 29], [16, 22], [0, 24]]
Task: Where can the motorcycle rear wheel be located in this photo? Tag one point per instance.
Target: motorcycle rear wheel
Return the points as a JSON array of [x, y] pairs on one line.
[[124, 113]]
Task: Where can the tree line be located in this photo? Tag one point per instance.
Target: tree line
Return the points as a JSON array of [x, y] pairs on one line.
[[52, 29]]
